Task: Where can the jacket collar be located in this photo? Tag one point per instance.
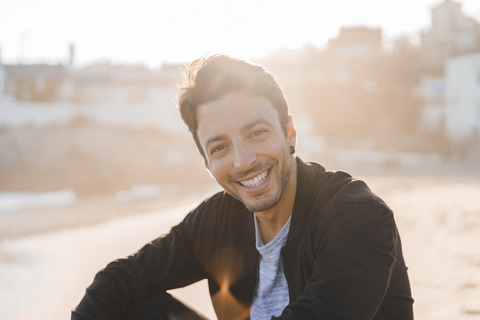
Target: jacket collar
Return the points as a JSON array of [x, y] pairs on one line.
[[303, 201], [303, 198]]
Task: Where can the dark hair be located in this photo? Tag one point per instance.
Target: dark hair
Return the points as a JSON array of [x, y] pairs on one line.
[[210, 79]]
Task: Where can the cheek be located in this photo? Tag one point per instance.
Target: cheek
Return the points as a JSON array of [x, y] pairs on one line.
[[218, 169], [273, 146]]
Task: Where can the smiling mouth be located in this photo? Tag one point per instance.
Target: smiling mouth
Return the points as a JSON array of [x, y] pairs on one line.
[[255, 182]]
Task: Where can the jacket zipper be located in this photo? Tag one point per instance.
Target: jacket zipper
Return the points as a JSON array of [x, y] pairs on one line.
[[285, 272], [256, 281]]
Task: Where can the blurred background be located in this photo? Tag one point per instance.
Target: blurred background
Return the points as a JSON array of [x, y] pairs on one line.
[[90, 133]]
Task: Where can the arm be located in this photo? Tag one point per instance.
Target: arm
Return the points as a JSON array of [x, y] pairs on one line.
[[356, 250], [166, 263]]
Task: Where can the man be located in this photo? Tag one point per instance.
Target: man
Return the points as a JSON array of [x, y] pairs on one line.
[[286, 239]]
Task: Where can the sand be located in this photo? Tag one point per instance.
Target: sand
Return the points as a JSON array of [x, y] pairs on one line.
[[44, 275]]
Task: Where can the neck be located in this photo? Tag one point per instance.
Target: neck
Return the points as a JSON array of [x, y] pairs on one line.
[[271, 221]]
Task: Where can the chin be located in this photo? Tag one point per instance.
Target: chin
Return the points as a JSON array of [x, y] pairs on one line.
[[262, 204], [255, 205]]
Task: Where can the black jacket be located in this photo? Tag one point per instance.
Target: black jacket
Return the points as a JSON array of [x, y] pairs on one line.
[[342, 260]]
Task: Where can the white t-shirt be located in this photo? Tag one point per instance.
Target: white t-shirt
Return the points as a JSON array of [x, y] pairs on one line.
[[271, 294]]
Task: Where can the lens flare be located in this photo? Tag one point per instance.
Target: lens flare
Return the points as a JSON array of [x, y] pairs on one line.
[[227, 307], [227, 267]]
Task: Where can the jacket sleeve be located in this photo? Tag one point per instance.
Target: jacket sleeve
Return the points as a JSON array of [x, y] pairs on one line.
[[166, 263], [354, 248]]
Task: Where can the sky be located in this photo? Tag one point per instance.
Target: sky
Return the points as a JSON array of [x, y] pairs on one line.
[[153, 32]]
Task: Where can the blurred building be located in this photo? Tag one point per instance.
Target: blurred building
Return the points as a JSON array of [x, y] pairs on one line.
[[124, 95], [432, 91], [451, 105], [451, 34], [462, 104], [93, 84], [98, 83], [36, 82], [113, 84], [356, 43], [33, 82], [2, 76]]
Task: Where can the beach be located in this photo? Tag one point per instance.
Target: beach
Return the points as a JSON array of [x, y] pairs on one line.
[[47, 262]]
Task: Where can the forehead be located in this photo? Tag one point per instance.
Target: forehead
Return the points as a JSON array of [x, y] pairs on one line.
[[232, 112]]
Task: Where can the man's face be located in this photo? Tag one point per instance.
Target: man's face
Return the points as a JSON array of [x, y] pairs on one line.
[[246, 148]]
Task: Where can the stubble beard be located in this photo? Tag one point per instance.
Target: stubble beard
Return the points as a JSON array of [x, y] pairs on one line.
[[269, 201]]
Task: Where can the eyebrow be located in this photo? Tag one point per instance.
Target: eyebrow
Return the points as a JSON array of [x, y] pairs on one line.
[[215, 139], [244, 128], [250, 125]]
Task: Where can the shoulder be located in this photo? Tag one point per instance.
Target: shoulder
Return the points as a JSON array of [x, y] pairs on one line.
[[344, 211], [341, 202], [334, 188], [217, 204], [217, 214]]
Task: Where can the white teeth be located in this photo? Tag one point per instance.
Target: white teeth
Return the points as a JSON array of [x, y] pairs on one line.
[[258, 180]]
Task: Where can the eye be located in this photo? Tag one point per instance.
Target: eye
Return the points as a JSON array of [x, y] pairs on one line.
[[217, 148], [257, 133]]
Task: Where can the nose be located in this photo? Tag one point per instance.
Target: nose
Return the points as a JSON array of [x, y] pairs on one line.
[[244, 156]]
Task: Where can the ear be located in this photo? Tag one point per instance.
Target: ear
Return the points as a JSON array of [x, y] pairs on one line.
[[291, 132]]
